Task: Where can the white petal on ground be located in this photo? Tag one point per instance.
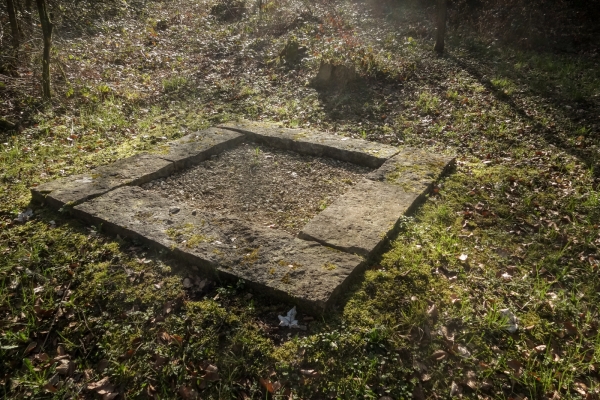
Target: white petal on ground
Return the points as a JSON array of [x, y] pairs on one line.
[[290, 319], [24, 216]]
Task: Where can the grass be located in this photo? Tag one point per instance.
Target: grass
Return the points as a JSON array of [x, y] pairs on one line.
[[515, 227]]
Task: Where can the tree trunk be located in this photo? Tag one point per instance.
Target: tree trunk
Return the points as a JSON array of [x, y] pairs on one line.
[[28, 13], [14, 25], [47, 31], [441, 25]]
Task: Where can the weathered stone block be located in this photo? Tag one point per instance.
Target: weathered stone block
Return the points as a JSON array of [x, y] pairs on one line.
[[334, 75], [359, 221], [414, 170], [362, 152], [197, 147], [274, 262], [138, 169], [75, 189]]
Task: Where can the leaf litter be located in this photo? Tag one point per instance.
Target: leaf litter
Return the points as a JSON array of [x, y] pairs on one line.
[[522, 187]]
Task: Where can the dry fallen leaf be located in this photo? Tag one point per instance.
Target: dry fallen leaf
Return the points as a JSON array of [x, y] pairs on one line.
[[177, 339], [463, 351], [448, 333], [471, 380], [165, 337], [159, 361], [541, 348], [455, 299], [64, 367], [30, 347], [150, 391], [580, 388], [99, 384], [418, 393], [269, 386], [433, 312], [570, 328], [50, 388], [212, 373], [455, 390], [103, 388], [439, 355], [516, 366], [188, 393], [309, 372], [487, 385], [102, 365]]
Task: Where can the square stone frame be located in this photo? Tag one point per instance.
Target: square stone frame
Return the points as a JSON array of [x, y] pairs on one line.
[[310, 270]]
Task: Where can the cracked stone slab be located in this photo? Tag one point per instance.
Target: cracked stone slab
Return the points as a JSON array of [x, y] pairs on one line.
[[199, 146], [359, 221], [75, 189], [357, 151], [303, 272], [413, 169]]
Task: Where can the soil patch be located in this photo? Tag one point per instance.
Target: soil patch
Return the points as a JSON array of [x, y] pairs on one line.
[[262, 185]]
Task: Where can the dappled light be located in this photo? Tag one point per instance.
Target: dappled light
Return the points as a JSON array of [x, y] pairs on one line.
[[488, 287]]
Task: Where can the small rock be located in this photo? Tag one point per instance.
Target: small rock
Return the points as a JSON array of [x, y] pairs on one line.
[[334, 75], [512, 324], [174, 210]]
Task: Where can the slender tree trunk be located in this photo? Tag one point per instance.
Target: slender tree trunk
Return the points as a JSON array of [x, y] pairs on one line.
[[28, 13], [14, 25], [47, 31], [441, 25]]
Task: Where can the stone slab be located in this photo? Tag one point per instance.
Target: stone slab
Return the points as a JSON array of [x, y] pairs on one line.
[[199, 146], [415, 170], [274, 262], [136, 170], [75, 189], [359, 221], [357, 151]]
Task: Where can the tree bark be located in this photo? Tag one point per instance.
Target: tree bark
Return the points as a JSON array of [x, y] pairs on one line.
[[441, 25], [47, 32], [14, 25], [28, 13]]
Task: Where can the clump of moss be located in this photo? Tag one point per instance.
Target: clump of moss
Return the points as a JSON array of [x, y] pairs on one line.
[[251, 257], [329, 266]]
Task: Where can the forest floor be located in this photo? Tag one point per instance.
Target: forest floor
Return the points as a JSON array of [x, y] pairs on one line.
[[514, 231]]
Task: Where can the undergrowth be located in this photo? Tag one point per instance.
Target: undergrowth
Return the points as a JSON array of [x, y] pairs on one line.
[[513, 231]]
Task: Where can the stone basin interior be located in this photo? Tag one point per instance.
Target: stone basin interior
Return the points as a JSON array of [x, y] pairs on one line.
[[262, 185]]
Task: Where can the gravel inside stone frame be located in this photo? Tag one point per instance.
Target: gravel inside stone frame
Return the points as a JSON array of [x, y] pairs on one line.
[[261, 185]]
